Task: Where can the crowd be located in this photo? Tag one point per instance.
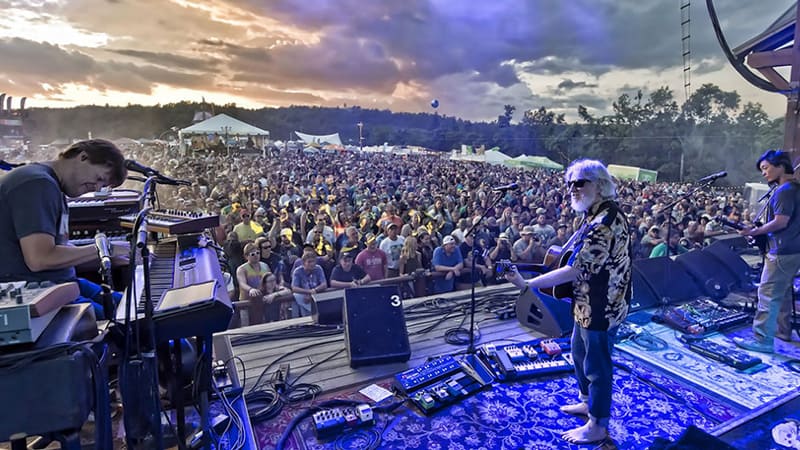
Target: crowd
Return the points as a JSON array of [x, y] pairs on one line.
[[348, 218]]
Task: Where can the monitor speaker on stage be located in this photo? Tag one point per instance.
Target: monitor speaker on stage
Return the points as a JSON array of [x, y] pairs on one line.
[[543, 313], [326, 307], [661, 280], [375, 326], [731, 261], [714, 279]]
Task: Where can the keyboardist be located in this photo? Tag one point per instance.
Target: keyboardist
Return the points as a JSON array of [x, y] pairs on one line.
[[34, 216]]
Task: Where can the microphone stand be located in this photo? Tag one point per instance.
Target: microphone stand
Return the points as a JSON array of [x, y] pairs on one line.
[[668, 207], [139, 371], [473, 251]]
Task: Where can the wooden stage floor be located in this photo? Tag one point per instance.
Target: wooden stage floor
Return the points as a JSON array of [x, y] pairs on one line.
[[333, 372]]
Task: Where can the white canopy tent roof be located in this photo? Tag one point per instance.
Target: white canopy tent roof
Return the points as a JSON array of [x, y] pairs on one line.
[[320, 139], [224, 124]]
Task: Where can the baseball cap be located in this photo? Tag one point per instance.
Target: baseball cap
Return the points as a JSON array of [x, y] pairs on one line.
[[369, 238], [504, 236], [527, 229], [448, 240], [348, 254], [287, 232]]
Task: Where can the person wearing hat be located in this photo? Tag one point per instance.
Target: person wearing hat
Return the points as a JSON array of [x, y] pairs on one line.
[[675, 248], [249, 276], [542, 229], [346, 274], [650, 240], [502, 250], [372, 259], [247, 230], [391, 246], [288, 251], [528, 248], [448, 264], [782, 262]]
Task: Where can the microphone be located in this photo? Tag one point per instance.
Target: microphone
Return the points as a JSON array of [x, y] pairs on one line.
[[506, 188], [713, 177], [101, 242], [134, 166]]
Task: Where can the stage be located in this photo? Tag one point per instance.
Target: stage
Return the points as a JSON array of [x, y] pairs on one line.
[[655, 396]]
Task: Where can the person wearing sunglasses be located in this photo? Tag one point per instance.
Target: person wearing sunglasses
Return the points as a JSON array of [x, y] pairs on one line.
[[599, 271], [249, 276]]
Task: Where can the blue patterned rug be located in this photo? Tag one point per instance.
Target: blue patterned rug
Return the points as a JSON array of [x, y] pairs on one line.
[[525, 416], [746, 390]]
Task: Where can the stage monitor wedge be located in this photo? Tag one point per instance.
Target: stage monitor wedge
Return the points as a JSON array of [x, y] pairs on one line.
[[375, 326], [662, 281]]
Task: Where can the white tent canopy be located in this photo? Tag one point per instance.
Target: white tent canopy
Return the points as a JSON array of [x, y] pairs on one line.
[[224, 124], [320, 139]]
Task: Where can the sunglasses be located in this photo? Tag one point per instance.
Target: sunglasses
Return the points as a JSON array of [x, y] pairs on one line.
[[245, 216], [253, 254], [266, 247], [578, 183]]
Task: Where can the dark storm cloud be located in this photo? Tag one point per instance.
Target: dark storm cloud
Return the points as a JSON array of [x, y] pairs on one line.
[[36, 64], [568, 85], [171, 59]]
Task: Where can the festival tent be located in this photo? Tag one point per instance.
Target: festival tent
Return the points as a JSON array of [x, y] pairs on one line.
[[534, 162], [495, 157], [223, 125], [310, 139], [632, 173]]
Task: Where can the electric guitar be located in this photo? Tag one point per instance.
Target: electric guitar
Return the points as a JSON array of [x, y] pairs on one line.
[[759, 241]]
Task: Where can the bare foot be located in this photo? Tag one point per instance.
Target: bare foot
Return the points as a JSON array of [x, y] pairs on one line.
[[586, 434], [577, 409]]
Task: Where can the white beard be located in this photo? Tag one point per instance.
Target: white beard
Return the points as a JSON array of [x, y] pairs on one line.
[[581, 205]]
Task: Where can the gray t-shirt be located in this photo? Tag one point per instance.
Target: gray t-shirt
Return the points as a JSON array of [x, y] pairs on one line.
[[31, 201], [785, 201]]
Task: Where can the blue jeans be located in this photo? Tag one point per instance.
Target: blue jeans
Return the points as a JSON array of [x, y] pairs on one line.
[[591, 351], [300, 307], [92, 293], [775, 298]]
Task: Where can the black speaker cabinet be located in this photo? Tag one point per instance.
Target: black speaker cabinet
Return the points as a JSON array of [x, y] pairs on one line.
[[375, 326], [659, 280], [711, 276], [545, 314], [733, 263], [326, 307]]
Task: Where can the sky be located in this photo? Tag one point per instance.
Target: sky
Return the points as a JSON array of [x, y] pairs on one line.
[[473, 56]]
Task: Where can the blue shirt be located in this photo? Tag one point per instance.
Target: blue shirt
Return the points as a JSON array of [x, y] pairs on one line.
[[441, 258]]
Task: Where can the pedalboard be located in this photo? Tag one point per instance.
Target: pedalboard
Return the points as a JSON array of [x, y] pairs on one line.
[[730, 356], [335, 421], [443, 381], [531, 359]]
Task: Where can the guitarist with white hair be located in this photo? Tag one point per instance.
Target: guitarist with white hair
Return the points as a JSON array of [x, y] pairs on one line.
[[598, 273]]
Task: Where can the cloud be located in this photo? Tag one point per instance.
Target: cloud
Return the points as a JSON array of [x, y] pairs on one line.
[[474, 56]]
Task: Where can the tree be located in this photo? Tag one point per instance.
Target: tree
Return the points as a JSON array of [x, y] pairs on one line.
[[504, 121]]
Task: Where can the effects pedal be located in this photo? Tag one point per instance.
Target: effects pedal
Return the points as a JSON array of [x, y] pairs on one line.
[[335, 421]]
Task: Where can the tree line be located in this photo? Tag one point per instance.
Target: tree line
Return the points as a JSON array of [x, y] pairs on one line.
[[711, 131]]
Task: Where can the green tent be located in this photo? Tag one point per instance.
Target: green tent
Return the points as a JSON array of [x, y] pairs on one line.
[[534, 162]]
